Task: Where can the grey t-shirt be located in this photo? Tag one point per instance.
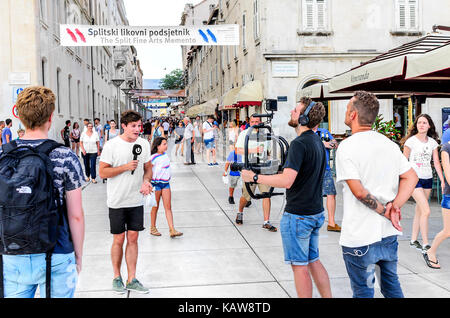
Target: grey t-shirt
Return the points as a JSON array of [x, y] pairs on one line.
[[446, 148]]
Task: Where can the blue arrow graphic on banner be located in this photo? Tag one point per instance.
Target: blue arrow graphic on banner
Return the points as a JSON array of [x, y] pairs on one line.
[[213, 37], [203, 36]]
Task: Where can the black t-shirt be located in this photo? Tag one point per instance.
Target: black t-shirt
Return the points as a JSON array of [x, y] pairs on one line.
[[307, 156], [147, 129], [66, 133]]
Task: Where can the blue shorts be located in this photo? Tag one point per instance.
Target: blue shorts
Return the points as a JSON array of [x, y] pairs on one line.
[[209, 143], [158, 186], [445, 203], [425, 183], [328, 187], [300, 236], [24, 273]]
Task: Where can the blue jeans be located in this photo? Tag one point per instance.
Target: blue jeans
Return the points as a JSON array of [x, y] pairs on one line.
[[360, 263], [23, 273], [300, 236], [90, 165]]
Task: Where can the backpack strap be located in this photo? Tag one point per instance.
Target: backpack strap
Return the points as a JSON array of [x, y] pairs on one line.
[[48, 274], [48, 146], [2, 294]]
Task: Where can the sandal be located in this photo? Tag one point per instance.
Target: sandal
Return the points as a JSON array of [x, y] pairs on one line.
[[430, 262], [175, 233], [154, 231]]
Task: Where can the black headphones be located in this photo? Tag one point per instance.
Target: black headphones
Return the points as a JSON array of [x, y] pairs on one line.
[[304, 119]]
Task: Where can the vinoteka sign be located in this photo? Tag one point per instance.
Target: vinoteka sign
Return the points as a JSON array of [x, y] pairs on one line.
[[90, 35]]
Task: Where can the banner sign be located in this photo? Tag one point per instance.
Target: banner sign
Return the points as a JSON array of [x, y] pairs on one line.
[[98, 35]]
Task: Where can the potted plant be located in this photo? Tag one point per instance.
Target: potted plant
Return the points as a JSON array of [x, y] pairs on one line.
[[387, 128]]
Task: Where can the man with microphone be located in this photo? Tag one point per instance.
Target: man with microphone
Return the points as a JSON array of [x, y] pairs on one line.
[[125, 162]]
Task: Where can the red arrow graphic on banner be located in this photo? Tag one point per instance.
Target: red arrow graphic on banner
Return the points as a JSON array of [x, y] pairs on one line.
[[74, 38], [81, 35]]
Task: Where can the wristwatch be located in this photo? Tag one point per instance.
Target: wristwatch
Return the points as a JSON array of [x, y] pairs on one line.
[[255, 178]]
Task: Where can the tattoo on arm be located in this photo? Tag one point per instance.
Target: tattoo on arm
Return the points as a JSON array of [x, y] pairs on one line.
[[370, 201]]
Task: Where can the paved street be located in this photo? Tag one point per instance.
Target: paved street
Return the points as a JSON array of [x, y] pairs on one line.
[[217, 258]]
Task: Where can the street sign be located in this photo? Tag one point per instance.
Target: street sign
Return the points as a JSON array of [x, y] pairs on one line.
[[19, 78], [282, 98], [16, 90]]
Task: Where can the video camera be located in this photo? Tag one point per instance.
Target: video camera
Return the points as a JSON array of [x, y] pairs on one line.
[[264, 152]]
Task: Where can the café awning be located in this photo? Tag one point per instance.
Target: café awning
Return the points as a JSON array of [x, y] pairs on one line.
[[209, 108], [229, 99], [251, 94], [193, 111], [321, 91], [411, 68]]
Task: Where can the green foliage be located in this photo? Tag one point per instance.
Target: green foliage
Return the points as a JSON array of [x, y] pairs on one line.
[[173, 80], [386, 128]]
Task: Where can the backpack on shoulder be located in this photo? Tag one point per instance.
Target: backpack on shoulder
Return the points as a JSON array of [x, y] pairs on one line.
[[30, 208]]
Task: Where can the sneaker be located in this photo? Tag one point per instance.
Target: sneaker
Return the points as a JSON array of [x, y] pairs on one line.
[[210, 164], [269, 226], [240, 218], [248, 204], [136, 286], [118, 286], [231, 200], [416, 245], [215, 164], [426, 248]]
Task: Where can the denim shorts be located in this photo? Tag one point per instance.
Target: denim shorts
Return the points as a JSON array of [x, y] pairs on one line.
[[22, 274], [328, 187], [158, 186], [445, 203], [300, 236], [209, 143], [425, 183]]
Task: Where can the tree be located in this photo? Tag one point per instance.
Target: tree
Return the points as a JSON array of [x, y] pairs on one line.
[[173, 80]]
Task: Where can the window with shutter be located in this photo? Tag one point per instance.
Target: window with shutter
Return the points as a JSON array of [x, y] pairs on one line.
[[256, 19], [407, 14], [314, 15]]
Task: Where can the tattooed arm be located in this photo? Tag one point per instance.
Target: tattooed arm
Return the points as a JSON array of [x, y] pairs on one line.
[[365, 197]]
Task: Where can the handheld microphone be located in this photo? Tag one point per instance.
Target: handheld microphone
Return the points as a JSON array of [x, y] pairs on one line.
[[137, 150]]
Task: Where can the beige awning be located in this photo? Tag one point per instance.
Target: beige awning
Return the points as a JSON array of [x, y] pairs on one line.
[[193, 111], [434, 64], [251, 94], [229, 99], [371, 72], [209, 108]]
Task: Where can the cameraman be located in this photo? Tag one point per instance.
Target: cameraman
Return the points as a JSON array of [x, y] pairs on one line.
[[258, 149], [302, 176]]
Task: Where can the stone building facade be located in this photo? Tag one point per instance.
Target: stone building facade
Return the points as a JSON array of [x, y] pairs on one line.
[[80, 77]]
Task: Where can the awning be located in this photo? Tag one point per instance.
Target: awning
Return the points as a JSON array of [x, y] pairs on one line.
[[434, 64], [229, 99], [420, 67], [321, 91], [193, 111], [209, 108], [251, 94]]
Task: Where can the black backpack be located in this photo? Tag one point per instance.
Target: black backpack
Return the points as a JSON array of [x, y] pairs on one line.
[[30, 207]]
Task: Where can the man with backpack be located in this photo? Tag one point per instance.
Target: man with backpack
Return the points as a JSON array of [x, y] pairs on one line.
[[41, 214]]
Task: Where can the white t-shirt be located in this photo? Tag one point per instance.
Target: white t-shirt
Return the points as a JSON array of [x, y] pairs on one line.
[[420, 156], [160, 168], [123, 190], [377, 162], [210, 134], [188, 131], [165, 126], [90, 143]]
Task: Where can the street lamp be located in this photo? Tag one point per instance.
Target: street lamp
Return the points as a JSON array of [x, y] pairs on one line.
[[117, 83]]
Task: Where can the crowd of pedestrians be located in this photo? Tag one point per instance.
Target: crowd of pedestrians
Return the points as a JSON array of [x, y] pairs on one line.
[[377, 180]]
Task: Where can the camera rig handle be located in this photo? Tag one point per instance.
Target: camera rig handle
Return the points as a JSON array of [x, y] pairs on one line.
[[259, 166]]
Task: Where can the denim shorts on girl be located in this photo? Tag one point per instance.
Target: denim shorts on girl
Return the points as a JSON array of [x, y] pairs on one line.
[[300, 236], [158, 186], [445, 203], [425, 183]]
